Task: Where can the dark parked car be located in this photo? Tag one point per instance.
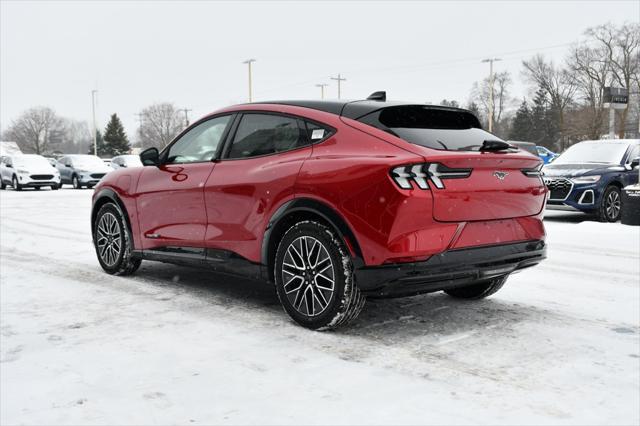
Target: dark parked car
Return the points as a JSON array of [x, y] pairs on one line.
[[332, 202], [589, 176]]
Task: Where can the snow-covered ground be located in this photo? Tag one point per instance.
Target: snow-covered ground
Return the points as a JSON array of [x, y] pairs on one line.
[[558, 345]]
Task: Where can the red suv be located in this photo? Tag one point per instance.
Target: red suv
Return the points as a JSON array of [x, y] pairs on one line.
[[332, 202]]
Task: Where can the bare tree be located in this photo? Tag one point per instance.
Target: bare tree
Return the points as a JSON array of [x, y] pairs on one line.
[[481, 94], [77, 137], [160, 123], [620, 46], [34, 129], [557, 82], [591, 74]]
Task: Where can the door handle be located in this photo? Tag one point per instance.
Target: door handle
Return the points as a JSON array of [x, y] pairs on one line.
[[152, 235]]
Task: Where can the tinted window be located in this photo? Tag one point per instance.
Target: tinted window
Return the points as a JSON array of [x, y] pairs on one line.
[[431, 127], [264, 134], [316, 132], [200, 143]]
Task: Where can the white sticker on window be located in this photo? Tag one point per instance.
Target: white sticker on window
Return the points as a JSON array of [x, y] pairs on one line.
[[317, 134]]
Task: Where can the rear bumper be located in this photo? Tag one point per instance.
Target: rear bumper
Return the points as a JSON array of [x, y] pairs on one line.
[[452, 268]]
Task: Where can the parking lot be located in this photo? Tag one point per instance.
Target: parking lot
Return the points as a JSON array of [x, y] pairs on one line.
[[560, 344]]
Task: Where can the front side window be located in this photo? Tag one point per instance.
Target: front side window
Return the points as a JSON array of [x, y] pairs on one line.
[[264, 134], [199, 144]]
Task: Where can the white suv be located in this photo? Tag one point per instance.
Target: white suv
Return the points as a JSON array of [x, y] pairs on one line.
[[30, 170]]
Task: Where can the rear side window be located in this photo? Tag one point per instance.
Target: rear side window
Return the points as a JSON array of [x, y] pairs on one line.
[[264, 134], [316, 132], [431, 127]]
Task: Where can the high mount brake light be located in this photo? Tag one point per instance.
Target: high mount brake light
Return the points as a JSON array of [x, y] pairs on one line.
[[420, 173]]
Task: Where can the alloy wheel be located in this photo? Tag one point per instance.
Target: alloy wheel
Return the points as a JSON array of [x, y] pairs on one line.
[[76, 182], [109, 241], [613, 205], [308, 276]]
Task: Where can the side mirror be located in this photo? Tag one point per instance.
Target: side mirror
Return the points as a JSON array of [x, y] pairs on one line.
[[150, 157], [68, 165]]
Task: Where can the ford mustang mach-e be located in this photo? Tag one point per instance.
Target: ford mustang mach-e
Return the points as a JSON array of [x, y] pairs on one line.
[[332, 202]]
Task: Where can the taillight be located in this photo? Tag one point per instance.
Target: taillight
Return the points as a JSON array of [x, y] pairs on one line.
[[535, 172], [420, 173]]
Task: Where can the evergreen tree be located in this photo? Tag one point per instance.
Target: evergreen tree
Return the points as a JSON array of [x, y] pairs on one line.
[[522, 128], [100, 144], [545, 129], [115, 138]]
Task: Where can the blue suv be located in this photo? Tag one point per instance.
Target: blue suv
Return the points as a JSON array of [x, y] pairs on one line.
[[545, 154], [589, 176]]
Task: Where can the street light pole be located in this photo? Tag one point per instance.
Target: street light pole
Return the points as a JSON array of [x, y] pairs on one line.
[[491, 61], [249, 62], [95, 129], [322, 86], [339, 80]]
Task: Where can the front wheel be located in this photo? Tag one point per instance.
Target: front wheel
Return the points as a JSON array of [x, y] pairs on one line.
[[479, 290], [314, 277], [15, 184], [113, 242], [76, 182], [2, 184], [611, 205]]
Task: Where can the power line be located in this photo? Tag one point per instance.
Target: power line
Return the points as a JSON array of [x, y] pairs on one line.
[[339, 80], [322, 86], [186, 116]]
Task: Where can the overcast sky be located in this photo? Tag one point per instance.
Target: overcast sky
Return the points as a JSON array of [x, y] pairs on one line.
[[54, 53]]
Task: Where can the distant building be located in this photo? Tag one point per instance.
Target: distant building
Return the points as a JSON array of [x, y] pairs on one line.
[[9, 148]]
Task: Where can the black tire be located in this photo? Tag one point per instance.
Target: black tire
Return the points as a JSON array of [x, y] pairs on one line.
[[37, 188], [113, 259], [610, 205], [2, 184], [55, 187], [15, 184], [342, 300], [60, 184], [479, 290], [76, 182]]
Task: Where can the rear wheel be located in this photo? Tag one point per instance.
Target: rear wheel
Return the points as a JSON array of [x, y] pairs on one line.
[[314, 277], [611, 205], [113, 242], [2, 184], [479, 290], [15, 184], [76, 182]]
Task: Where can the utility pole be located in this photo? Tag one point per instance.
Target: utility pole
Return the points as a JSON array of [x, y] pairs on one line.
[[491, 61], [338, 79], [249, 62], [186, 116], [95, 128], [322, 86]]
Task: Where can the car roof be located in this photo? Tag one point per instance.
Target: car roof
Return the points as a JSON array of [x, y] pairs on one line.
[[613, 141], [350, 108]]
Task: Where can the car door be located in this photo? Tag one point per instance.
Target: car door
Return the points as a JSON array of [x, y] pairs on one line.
[[170, 200], [256, 173], [5, 169], [64, 170]]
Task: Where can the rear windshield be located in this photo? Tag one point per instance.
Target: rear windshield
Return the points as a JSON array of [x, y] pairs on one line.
[[431, 127]]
